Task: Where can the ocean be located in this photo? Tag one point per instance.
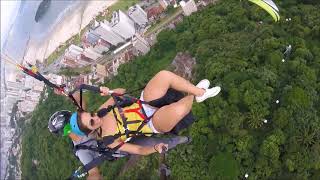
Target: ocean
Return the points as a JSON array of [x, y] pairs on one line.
[[26, 27]]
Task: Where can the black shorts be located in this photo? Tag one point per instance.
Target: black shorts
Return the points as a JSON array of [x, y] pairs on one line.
[[170, 97]]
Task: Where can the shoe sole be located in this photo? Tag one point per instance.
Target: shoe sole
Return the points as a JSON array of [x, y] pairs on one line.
[[203, 80], [218, 91]]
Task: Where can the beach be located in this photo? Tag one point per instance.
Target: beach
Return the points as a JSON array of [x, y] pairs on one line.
[[69, 24]]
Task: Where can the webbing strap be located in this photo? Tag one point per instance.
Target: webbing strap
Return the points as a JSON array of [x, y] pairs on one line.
[[74, 101], [134, 133], [120, 110], [133, 122], [125, 122], [137, 110], [108, 155], [81, 98]]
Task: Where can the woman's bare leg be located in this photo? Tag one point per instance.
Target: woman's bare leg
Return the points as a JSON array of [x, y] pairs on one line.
[[163, 80], [167, 117]]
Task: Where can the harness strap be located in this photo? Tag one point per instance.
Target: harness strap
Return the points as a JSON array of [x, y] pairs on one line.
[[136, 110], [135, 133], [81, 87], [97, 161], [91, 148], [125, 122], [107, 155], [74, 101], [133, 122], [120, 110], [80, 146], [115, 116]]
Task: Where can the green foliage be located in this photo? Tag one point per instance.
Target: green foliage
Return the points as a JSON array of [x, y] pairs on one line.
[[75, 71], [120, 4], [224, 166], [56, 54], [230, 139]]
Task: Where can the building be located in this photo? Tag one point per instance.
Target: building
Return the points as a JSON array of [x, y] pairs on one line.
[[122, 25], [188, 7], [95, 43], [69, 62], [73, 51], [71, 55], [83, 60], [91, 54], [205, 2], [56, 79], [14, 95], [154, 12], [26, 106], [75, 56], [13, 89], [28, 82], [123, 47], [90, 39], [166, 3], [38, 88], [102, 46], [105, 32], [99, 73], [121, 58], [77, 81], [13, 86], [138, 15], [100, 70], [141, 45]]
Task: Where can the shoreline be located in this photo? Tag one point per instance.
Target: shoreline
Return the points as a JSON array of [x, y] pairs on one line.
[[68, 27]]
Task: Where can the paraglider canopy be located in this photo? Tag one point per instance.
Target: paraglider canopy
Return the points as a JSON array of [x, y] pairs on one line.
[[270, 7]]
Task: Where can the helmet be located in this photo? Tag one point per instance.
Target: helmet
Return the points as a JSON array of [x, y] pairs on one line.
[[58, 121]]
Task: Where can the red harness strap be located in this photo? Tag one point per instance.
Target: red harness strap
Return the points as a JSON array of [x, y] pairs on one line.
[[137, 110]]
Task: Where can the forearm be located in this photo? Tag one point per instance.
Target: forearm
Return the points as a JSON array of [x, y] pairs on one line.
[[136, 149], [119, 90]]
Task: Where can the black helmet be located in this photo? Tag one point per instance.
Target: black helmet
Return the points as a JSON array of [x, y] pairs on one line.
[[58, 120]]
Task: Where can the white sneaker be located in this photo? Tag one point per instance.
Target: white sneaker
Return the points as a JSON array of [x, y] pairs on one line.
[[203, 84], [208, 94]]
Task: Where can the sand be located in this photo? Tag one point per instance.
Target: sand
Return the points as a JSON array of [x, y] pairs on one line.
[[65, 29]]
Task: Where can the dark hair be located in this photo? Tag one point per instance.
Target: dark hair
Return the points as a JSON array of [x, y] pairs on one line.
[[82, 127]]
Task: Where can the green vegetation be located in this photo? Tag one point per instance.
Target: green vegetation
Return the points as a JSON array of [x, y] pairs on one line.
[[75, 71], [56, 54], [123, 5], [120, 4], [244, 57]]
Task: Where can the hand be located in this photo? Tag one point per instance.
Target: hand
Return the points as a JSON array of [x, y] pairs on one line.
[[104, 91], [160, 147]]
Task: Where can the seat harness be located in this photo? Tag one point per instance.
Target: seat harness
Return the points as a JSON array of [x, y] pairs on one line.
[[122, 101]]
